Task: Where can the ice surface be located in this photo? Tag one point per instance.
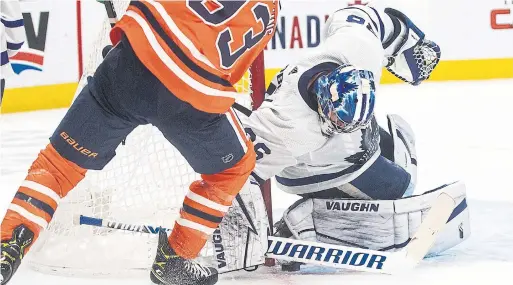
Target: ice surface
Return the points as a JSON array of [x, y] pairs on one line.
[[463, 133]]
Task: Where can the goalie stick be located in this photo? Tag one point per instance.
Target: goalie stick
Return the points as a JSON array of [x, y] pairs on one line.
[[344, 257], [365, 259]]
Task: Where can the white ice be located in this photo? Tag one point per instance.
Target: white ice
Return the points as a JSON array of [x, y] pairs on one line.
[[464, 132]]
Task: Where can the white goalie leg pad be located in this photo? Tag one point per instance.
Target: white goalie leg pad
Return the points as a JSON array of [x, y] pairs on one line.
[[412, 210], [379, 225], [299, 220], [240, 241], [405, 154]]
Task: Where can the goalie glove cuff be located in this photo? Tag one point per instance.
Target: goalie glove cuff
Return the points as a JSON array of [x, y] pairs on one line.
[[412, 58]]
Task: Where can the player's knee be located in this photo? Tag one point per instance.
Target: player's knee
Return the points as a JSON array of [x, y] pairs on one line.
[[245, 166], [54, 172], [249, 160], [231, 180]]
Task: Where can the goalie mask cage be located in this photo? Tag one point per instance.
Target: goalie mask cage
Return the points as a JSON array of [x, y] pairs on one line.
[[144, 184]]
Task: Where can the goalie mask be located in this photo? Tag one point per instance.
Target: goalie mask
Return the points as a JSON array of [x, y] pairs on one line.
[[346, 99]]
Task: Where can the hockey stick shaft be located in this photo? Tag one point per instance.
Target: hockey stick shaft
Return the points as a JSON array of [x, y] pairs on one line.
[[285, 249], [344, 257], [364, 259], [145, 229], [96, 222], [432, 224], [111, 12]]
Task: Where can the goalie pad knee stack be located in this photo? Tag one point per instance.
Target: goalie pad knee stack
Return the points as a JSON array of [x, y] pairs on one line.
[[404, 152], [386, 225]]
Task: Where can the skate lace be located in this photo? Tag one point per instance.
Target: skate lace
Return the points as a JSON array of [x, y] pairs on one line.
[[196, 269]]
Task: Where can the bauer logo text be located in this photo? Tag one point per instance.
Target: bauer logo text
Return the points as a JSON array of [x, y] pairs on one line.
[[77, 146]]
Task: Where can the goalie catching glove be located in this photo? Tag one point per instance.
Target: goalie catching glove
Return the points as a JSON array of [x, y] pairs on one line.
[[412, 57]]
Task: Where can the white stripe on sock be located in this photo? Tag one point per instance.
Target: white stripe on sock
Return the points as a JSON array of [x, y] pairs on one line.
[[206, 202], [28, 215], [195, 226], [41, 189]]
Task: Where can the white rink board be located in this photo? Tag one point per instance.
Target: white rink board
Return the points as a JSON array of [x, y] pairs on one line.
[[60, 51], [456, 140], [462, 28]]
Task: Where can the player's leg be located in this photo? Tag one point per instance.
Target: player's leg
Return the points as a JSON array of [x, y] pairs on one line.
[[216, 146], [86, 138]]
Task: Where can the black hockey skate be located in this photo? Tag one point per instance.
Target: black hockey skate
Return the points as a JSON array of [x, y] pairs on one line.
[[171, 269], [282, 230], [13, 251]]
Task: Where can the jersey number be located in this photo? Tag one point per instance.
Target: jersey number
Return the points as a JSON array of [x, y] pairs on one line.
[[227, 10], [360, 21], [260, 148], [274, 85]]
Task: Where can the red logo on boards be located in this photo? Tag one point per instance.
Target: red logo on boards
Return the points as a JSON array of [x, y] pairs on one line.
[[502, 19], [357, 2]]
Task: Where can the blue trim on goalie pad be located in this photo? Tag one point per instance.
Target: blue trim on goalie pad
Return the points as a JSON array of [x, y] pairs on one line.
[[458, 210], [396, 246]]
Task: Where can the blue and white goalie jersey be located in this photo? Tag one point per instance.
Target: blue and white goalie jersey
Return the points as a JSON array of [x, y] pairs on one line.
[[286, 129]]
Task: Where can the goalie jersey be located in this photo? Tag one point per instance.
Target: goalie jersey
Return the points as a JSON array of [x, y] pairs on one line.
[[287, 131]]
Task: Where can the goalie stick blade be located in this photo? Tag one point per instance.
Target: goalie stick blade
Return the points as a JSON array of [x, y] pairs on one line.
[[427, 232], [367, 260], [336, 256]]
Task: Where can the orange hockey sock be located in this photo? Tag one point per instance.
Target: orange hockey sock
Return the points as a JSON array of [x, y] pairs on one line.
[[49, 179], [206, 204]]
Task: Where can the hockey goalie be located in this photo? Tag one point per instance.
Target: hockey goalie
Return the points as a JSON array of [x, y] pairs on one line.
[[316, 133]]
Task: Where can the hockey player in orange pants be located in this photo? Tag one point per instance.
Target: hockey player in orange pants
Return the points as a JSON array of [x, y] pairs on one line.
[[173, 65]]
